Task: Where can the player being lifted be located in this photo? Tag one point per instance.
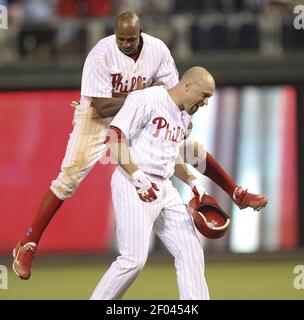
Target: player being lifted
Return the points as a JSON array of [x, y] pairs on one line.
[[119, 64]]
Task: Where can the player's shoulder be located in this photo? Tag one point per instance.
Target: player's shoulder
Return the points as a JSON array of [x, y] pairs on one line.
[[153, 91], [103, 45], [153, 41], [149, 94], [109, 40]]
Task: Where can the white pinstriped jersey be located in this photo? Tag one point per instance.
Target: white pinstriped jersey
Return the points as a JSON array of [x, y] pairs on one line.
[[107, 69], [155, 127]]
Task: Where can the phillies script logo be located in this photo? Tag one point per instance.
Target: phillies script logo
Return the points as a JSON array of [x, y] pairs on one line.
[[125, 86], [174, 134]]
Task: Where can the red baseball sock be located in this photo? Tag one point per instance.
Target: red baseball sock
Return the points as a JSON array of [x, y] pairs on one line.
[[48, 207], [218, 175]]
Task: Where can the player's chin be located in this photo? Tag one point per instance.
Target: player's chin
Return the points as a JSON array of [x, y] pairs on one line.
[[194, 109], [130, 52]]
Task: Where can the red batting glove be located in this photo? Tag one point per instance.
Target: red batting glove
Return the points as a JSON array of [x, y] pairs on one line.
[[197, 189], [144, 186]]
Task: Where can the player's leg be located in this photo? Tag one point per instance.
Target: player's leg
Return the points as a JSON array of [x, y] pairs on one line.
[[195, 154], [84, 148], [175, 228], [134, 221]]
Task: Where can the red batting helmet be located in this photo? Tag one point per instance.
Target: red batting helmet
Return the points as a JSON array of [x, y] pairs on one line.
[[209, 218]]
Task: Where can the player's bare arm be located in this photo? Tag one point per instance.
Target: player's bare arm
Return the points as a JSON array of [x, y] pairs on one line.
[[108, 107], [120, 151], [157, 83], [182, 172]]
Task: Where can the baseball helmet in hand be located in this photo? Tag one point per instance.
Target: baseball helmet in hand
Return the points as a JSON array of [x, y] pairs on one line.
[[209, 218]]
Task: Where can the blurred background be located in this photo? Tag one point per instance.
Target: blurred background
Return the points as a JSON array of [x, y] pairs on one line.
[[253, 126]]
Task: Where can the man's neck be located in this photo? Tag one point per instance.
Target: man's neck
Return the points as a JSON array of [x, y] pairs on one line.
[[175, 96], [135, 56]]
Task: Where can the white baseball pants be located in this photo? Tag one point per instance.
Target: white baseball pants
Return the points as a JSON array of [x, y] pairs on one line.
[[170, 220], [84, 149]]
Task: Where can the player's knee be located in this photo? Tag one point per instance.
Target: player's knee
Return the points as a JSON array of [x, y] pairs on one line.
[[130, 265], [137, 263], [66, 183]]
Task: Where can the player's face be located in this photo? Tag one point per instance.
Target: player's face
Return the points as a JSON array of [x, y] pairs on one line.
[[197, 95], [127, 39]]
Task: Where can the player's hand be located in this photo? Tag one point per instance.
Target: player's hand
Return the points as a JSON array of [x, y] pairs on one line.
[[157, 83], [119, 94], [243, 199], [197, 189], [144, 186], [74, 104]]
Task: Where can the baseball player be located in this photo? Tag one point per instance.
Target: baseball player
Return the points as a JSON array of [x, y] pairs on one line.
[[149, 129], [121, 63], [117, 65]]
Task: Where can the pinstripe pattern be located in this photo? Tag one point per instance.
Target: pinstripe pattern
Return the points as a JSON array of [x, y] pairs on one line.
[[133, 228], [153, 150], [84, 149], [175, 228], [134, 223], [155, 62], [155, 153], [85, 146]]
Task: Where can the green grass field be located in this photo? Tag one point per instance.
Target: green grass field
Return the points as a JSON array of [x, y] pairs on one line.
[[226, 280]]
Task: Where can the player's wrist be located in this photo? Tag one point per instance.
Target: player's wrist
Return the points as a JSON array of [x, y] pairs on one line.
[[140, 180], [197, 189], [144, 186], [194, 183], [137, 174]]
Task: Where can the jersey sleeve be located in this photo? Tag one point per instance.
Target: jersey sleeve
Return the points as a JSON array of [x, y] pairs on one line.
[[167, 71], [133, 116], [96, 77]]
